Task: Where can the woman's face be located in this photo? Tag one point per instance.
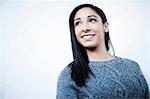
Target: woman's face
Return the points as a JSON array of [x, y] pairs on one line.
[[89, 29]]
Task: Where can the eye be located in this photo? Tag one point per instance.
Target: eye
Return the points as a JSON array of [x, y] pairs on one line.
[[92, 20], [77, 23]]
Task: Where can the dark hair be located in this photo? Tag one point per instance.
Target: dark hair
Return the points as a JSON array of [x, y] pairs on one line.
[[80, 69]]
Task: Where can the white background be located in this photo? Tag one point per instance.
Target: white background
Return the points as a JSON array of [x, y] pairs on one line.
[[35, 42]]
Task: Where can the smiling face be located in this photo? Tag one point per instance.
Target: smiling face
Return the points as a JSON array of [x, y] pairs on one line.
[[89, 29]]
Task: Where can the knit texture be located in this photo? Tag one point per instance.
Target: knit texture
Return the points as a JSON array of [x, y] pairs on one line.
[[116, 78]]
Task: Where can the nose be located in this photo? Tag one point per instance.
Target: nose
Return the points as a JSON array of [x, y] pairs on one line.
[[85, 28]]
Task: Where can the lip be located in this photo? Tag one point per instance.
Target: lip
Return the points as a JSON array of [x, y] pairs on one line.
[[88, 37]]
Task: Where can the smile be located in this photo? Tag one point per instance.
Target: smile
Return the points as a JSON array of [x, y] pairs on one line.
[[88, 36]]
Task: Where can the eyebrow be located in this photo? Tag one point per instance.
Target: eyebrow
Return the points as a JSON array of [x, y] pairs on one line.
[[77, 19], [87, 16], [92, 16]]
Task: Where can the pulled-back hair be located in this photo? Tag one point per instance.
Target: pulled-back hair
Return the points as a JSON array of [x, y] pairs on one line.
[[80, 69]]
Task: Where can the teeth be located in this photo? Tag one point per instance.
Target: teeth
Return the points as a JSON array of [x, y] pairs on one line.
[[87, 37]]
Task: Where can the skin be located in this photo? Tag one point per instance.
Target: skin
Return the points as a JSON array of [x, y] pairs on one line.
[[90, 31]]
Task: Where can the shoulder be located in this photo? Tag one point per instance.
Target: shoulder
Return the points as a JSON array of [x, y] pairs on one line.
[[65, 73], [65, 85], [64, 80], [129, 63]]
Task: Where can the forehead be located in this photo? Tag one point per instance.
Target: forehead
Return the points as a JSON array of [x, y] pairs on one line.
[[86, 11]]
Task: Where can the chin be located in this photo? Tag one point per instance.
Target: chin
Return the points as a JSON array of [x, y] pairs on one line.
[[90, 46]]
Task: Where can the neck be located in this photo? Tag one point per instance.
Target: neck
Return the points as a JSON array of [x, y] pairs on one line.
[[98, 54]]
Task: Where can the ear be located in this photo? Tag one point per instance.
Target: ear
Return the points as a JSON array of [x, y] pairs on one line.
[[106, 27]]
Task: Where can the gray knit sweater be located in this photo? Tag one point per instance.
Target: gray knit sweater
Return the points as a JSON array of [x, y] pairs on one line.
[[116, 78]]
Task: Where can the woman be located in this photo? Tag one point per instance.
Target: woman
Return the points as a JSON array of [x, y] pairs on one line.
[[94, 73]]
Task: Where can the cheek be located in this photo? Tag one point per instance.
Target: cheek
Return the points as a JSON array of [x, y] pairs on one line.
[[99, 30], [77, 33]]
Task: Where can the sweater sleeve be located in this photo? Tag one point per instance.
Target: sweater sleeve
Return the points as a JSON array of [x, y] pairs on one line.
[[144, 84], [143, 80], [138, 71], [65, 87]]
